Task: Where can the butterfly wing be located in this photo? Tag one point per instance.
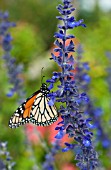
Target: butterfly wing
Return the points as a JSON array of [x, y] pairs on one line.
[[36, 110], [42, 114], [22, 114]]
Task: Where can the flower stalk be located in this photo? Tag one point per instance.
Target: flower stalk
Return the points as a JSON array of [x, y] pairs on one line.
[[73, 122]]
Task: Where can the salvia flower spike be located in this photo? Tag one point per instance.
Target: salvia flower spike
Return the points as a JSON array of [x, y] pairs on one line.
[[74, 123]]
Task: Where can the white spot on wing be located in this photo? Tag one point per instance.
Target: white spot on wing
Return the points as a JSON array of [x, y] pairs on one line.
[[16, 114]]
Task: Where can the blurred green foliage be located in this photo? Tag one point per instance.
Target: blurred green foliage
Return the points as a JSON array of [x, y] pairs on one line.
[[32, 38], [41, 14], [96, 42], [26, 44]]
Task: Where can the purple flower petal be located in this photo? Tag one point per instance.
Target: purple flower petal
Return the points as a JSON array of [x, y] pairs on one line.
[[60, 134]]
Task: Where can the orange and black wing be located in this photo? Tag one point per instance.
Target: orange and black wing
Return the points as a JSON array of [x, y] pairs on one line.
[[22, 114]]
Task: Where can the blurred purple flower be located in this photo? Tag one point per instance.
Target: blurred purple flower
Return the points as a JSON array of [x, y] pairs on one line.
[[5, 158], [14, 70], [49, 158], [95, 113], [5, 39]]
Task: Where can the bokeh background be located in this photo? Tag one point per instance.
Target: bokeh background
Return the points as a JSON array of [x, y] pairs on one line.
[[32, 43]]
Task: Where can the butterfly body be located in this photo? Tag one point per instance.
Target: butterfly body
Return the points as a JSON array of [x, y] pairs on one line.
[[36, 110]]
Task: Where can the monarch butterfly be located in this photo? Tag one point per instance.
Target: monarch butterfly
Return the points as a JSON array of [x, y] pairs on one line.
[[35, 109]]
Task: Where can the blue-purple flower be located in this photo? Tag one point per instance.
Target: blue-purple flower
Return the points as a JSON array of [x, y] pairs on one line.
[[73, 121], [50, 157], [5, 158], [14, 71], [95, 113]]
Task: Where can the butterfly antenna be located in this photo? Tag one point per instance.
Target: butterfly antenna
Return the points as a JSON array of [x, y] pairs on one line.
[[42, 75]]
